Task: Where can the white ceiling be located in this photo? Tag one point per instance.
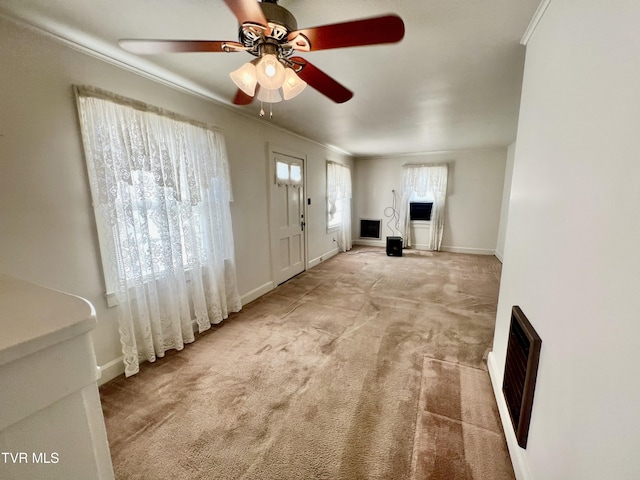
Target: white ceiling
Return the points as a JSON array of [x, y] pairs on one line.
[[452, 83]]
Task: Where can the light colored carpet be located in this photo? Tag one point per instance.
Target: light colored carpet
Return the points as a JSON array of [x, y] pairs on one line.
[[364, 367]]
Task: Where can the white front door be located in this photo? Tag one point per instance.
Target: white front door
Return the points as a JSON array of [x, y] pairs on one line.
[[287, 216]]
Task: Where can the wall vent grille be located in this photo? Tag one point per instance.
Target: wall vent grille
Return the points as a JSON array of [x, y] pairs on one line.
[[520, 372], [370, 228]]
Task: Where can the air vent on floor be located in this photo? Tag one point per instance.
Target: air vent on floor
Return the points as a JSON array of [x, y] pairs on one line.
[[520, 371]]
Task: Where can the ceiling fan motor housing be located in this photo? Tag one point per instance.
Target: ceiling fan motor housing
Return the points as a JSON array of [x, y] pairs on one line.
[[279, 15], [281, 23]]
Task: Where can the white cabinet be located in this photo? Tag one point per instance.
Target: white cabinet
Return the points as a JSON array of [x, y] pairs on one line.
[[51, 423]]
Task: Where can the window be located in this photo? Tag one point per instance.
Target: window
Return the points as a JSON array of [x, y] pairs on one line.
[[424, 191], [420, 207], [147, 212], [338, 188], [161, 190], [420, 211], [339, 204], [334, 214], [288, 173]]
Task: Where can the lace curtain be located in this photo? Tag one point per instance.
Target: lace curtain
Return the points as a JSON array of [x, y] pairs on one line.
[[161, 193], [424, 181], [339, 202]]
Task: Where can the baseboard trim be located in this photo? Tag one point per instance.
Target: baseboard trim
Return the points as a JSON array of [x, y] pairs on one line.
[[115, 368], [323, 257], [450, 249], [472, 251], [499, 256], [256, 293], [370, 243], [111, 370], [518, 458]]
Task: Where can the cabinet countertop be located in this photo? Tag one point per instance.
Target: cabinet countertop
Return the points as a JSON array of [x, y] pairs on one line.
[[33, 317]]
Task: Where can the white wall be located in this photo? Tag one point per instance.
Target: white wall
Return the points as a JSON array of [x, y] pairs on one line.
[[474, 194], [47, 229], [572, 257], [506, 196]]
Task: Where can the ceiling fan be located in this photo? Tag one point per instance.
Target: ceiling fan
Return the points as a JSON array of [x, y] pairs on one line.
[[270, 33]]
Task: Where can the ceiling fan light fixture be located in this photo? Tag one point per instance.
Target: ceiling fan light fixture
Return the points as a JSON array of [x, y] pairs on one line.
[[269, 96], [293, 84], [270, 72], [246, 78]]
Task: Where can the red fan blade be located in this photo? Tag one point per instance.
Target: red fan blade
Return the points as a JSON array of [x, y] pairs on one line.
[[370, 31], [321, 81], [247, 11], [242, 98], [149, 47]]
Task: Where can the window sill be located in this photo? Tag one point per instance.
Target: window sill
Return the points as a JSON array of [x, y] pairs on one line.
[[420, 223], [112, 300]]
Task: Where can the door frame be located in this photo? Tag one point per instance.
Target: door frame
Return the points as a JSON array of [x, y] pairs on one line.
[[272, 151]]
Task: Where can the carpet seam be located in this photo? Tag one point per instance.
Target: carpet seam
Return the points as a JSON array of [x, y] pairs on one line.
[[462, 422], [456, 364]]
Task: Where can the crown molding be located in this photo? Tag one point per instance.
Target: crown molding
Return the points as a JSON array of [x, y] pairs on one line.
[[497, 148], [535, 21], [101, 50]]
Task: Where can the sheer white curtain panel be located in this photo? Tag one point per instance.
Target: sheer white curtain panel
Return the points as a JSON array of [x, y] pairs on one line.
[[424, 181], [339, 195], [161, 193]]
